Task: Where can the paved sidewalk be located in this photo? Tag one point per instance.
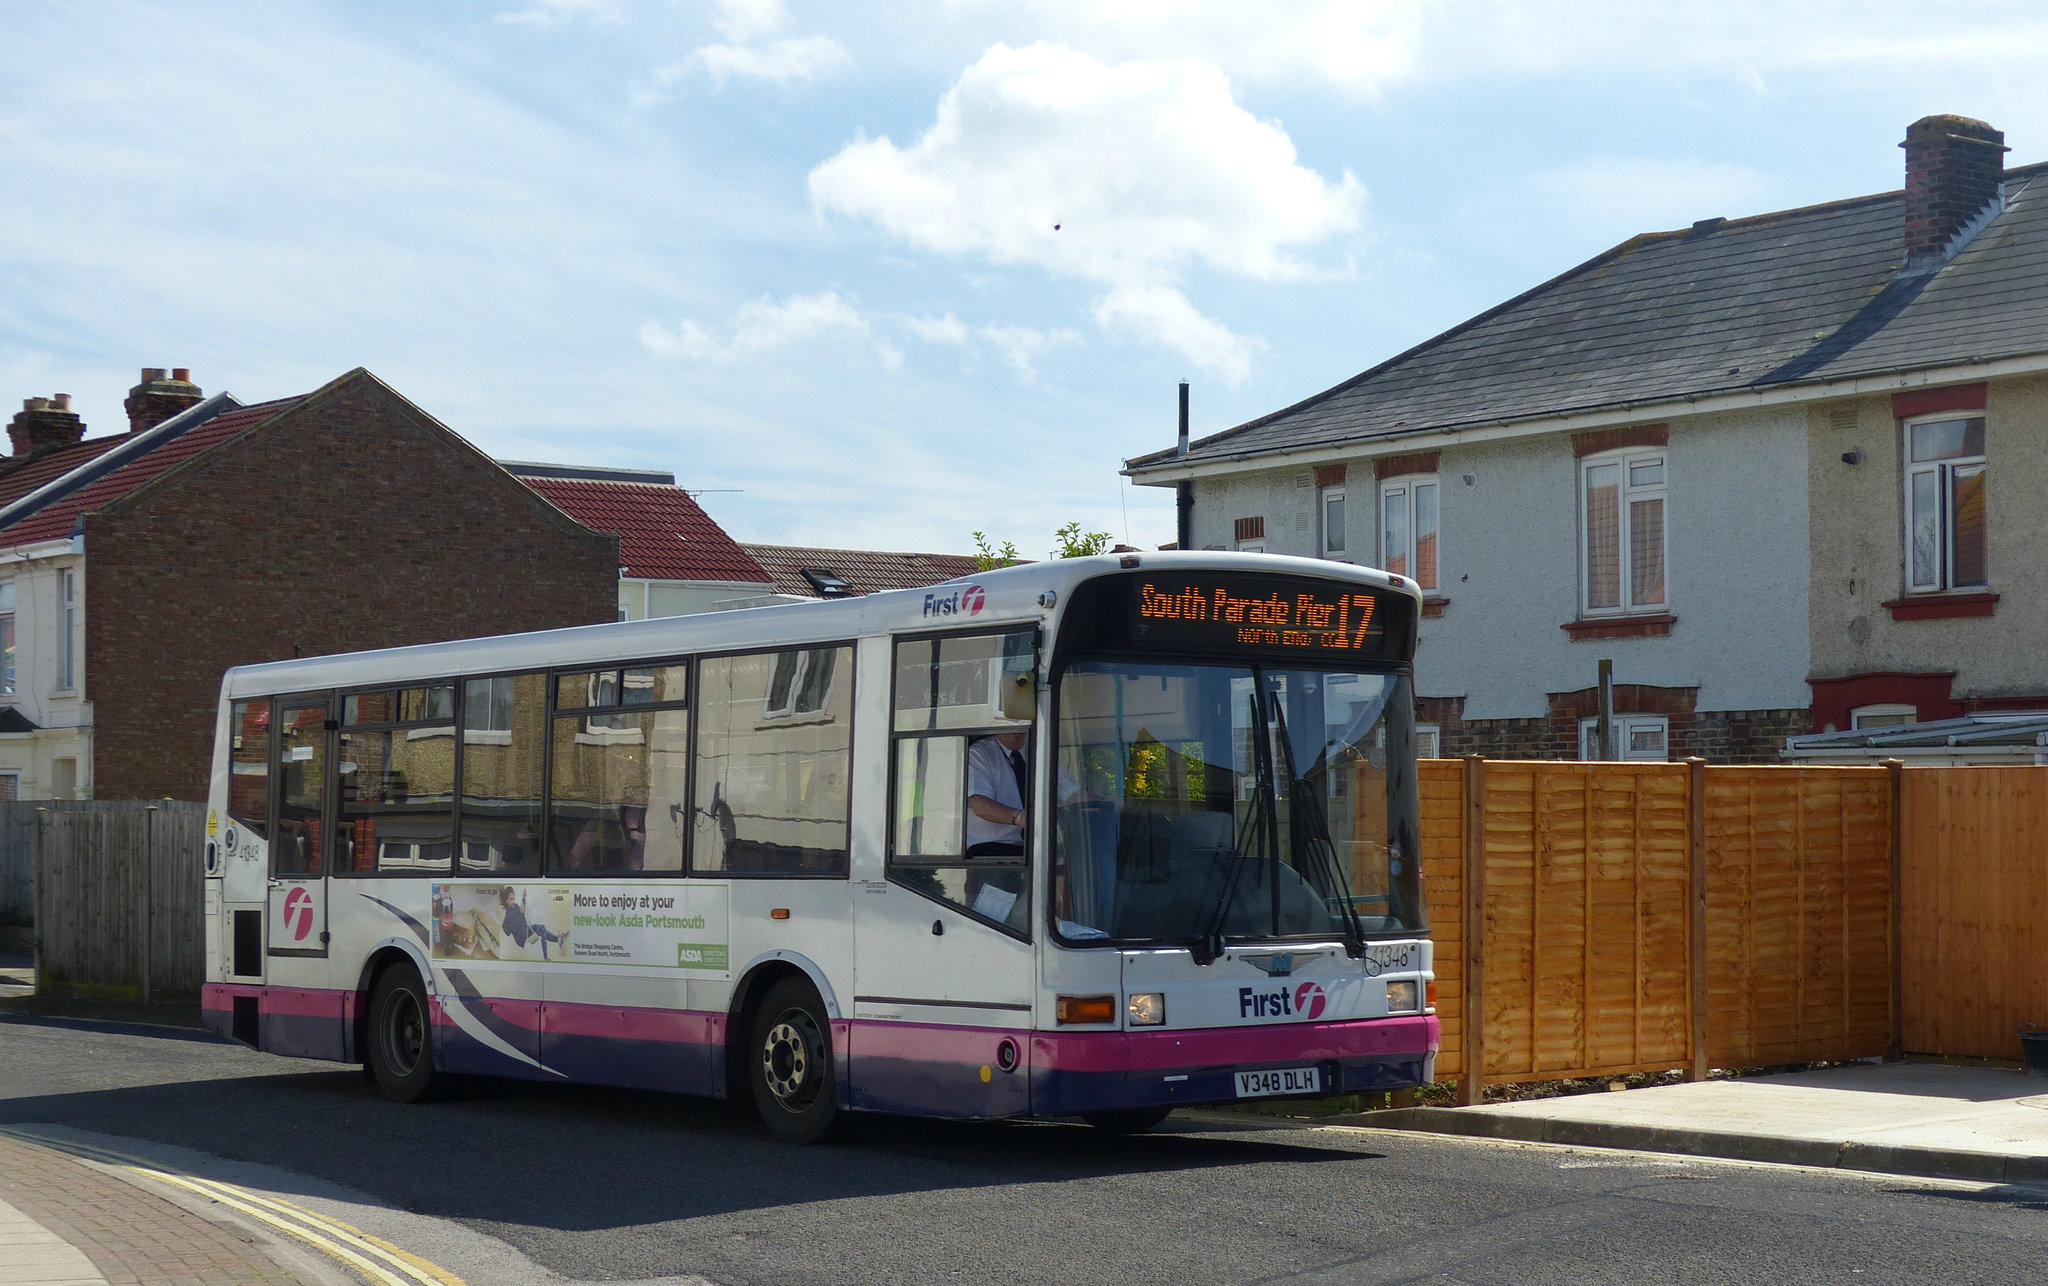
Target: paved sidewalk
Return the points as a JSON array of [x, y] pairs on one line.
[[63, 1221], [1923, 1119]]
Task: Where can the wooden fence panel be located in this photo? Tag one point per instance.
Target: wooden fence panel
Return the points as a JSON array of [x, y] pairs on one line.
[[1443, 889], [1798, 914], [17, 864], [118, 899], [1974, 908], [1588, 888]]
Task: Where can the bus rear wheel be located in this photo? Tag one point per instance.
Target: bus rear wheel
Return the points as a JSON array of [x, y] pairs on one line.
[[401, 1036], [789, 1063], [1129, 1120]]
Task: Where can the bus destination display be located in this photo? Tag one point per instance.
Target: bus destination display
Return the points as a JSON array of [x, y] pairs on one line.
[[1219, 612]]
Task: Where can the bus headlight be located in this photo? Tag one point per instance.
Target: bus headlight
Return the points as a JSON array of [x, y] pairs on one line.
[[1147, 1008], [1404, 997]]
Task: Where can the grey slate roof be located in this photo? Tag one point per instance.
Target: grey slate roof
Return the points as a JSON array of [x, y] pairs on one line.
[[1803, 296]]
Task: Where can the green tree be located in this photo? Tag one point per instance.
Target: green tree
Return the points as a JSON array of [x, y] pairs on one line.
[[988, 557], [1075, 543]]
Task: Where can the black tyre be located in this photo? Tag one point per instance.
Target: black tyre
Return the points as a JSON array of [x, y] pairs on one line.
[[789, 1063], [401, 1036], [1129, 1120]]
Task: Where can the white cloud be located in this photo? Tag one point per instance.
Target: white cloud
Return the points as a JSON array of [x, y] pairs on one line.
[[1164, 315], [1123, 175], [743, 20], [1020, 346], [760, 327], [1359, 46], [935, 330], [550, 13], [1640, 194], [782, 61]]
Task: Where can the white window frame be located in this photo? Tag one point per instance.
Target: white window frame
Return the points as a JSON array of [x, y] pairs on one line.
[[1630, 494], [1625, 726], [1884, 714], [1404, 491], [1340, 550], [67, 600], [1429, 741], [10, 786], [1943, 472], [1251, 546], [10, 640]]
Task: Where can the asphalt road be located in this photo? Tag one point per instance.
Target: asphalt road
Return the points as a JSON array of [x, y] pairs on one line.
[[609, 1186]]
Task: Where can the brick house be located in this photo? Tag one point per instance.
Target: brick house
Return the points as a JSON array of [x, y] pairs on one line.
[[216, 534], [1786, 472], [673, 558]]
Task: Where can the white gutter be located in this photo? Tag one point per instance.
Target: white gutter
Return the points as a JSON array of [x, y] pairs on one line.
[[1402, 441]]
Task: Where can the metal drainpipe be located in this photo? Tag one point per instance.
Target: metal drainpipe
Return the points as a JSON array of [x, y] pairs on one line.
[[1183, 492]]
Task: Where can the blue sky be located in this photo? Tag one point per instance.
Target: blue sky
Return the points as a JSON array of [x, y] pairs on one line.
[[804, 255]]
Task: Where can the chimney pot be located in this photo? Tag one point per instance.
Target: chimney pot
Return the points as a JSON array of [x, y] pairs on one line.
[[44, 422], [1955, 170], [156, 399], [182, 374]]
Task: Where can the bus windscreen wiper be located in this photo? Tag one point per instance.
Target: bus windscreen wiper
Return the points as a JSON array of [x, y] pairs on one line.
[[1210, 946], [1310, 827]]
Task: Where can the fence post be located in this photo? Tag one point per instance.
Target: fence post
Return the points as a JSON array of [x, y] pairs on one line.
[[1472, 1089], [148, 895], [1696, 939], [43, 914], [1895, 776]]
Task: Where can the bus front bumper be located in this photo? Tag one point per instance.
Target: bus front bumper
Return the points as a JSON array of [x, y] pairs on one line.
[[1073, 1072]]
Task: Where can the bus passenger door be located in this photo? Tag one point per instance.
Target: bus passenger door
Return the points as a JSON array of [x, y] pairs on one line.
[[943, 963], [301, 1014], [297, 920]]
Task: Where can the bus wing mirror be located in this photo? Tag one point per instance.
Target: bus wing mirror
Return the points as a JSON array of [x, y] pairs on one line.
[[1020, 696]]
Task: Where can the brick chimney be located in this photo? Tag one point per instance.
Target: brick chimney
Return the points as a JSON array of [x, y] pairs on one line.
[[1955, 170], [44, 422], [160, 396]]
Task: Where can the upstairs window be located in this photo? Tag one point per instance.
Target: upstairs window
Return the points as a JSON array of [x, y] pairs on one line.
[[1250, 535], [1621, 536], [1408, 529], [1331, 503], [7, 688], [1945, 543], [67, 663]]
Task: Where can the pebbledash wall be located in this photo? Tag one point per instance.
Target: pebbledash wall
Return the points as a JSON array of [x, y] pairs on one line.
[[350, 521], [1945, 665], [1497, 673]]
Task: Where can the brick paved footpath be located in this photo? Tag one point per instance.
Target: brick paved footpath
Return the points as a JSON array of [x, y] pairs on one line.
[[129, 1236]]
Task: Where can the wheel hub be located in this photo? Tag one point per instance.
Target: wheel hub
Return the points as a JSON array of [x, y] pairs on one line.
[[790, 1057]]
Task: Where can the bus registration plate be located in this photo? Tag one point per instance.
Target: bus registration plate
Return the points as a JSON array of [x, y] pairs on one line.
[[1281, 1080]]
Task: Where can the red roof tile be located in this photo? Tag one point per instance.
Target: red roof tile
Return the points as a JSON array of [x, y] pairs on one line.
[[662, 533], [30, 472], [61, 518], [864, 570]]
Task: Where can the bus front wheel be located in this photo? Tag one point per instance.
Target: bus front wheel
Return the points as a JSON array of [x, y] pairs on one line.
[[789, 1060], [401, 1037]]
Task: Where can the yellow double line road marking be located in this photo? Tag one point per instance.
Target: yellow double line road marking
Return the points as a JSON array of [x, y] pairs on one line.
[[376, 1259]]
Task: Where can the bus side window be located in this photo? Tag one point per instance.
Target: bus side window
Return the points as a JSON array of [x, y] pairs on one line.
[[249, 766], [617, 775], [774, 750], [504, 735]]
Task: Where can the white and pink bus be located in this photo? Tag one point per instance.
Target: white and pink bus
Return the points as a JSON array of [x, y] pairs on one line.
[[1099, 837]]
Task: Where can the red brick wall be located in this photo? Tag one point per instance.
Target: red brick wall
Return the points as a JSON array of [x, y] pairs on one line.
[[352, 522]]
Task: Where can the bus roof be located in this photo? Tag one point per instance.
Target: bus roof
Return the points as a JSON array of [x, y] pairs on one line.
[[1009, 595]]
